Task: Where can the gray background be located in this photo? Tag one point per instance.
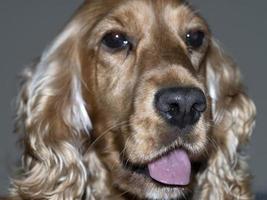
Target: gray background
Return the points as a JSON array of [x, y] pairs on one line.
[[28, 26]]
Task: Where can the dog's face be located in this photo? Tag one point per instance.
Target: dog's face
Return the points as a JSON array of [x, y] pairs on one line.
[[147, 95], [134, 100]]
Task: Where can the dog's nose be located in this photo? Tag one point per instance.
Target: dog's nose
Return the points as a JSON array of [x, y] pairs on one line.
[[180, 106]]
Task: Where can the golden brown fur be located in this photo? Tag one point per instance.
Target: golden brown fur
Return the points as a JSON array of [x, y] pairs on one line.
[[68, 155]]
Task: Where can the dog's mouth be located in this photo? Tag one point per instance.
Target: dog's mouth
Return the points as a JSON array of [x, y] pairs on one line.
[[173, 168]]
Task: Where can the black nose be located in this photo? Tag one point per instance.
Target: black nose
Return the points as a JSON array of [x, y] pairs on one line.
[[180, 106]]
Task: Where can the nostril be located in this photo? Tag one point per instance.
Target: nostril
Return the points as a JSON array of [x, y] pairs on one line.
[[199, 107], [174, 108]]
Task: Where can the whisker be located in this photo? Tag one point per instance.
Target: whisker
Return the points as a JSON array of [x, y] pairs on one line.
[[213, 142], [121, 153], [106, 133]]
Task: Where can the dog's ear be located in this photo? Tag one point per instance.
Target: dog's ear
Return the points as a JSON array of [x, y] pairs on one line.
[[233, 115], [232, 109], [53, 116]]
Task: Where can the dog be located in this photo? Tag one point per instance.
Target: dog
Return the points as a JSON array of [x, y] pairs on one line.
[[134, 99]]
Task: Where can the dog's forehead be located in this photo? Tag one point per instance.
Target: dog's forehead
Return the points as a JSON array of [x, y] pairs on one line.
[[146, 13]]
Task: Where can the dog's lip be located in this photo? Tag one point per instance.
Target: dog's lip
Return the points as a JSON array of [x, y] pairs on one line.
[[139, 169]]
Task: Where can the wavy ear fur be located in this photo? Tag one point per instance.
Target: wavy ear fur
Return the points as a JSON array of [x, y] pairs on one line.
[[54, 119], [233, 114]]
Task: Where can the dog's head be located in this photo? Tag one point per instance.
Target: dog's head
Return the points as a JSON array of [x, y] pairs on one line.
[[156, 87], [150, 99]]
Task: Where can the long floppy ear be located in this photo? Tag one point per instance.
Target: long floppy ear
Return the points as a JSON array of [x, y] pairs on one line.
[[233, 121], [53, 116]]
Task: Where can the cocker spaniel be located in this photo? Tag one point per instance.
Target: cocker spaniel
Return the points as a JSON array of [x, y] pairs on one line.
[[134, 100]]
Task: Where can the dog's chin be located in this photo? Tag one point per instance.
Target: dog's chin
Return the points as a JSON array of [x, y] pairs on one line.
[[136, 179], [143, 186]]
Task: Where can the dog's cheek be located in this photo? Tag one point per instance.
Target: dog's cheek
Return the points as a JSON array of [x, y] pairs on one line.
[[115, 88]]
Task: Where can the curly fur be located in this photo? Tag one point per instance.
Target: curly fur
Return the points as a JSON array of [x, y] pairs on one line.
[[69, 155]]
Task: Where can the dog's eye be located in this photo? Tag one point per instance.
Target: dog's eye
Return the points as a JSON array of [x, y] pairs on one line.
[[194, 39], [116, 41]]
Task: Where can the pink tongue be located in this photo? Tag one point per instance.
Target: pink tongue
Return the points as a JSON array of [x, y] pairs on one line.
[[172, 169]]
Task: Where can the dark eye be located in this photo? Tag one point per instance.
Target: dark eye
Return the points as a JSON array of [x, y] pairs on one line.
[[116, 41], [194, 39]]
